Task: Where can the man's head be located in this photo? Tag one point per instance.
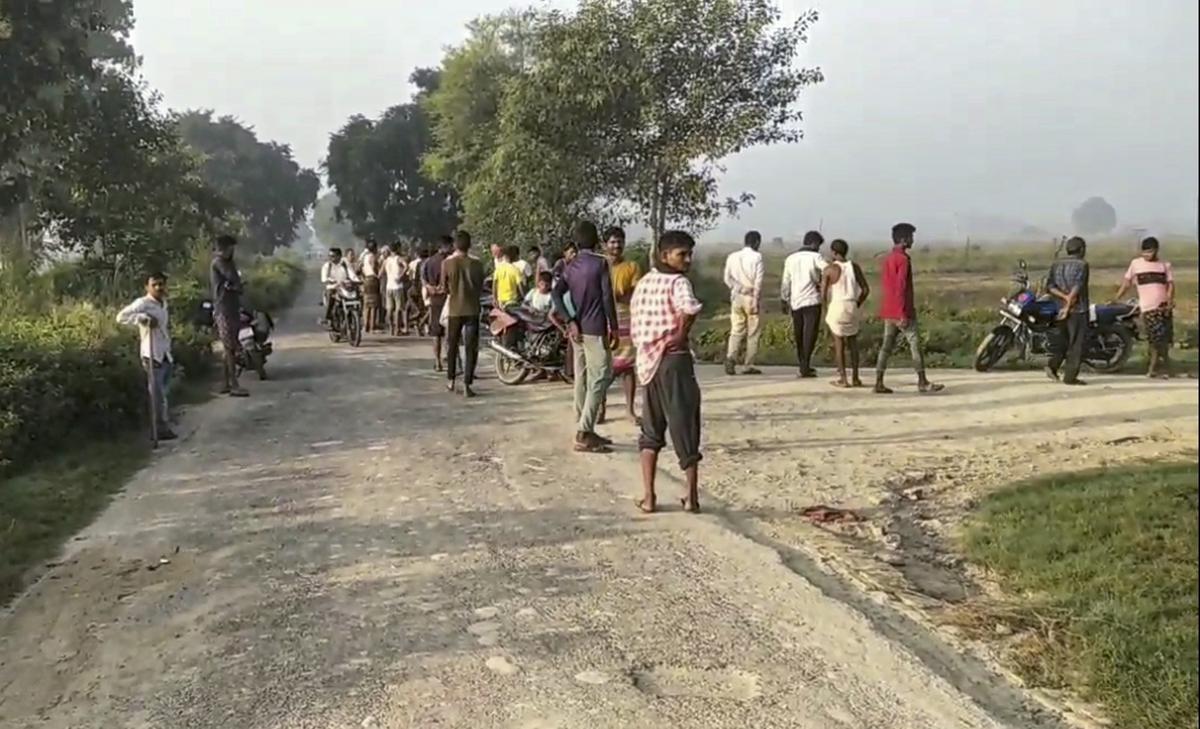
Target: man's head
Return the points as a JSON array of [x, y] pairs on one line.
[[156, 285], [446, 244], [813, 240], [902, 234], [544, 280], [1076, 247], [753, 240], [512, 253], [569, 251], [372, 246], [225, 245], [533, 254], [586, 237], [462, 241], [614, 241], [675, 251], [840, 249], [335, 255], [1150, 248], [497, 251]]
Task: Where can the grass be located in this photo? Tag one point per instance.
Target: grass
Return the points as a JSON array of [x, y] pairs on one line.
[[43, 505], [1101, 570]]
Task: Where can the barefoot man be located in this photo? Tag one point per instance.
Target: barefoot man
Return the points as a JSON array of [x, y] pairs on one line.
[[663, 310], [844, 289]]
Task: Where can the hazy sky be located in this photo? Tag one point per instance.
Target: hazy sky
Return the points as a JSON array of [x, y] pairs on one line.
[[930, 108]]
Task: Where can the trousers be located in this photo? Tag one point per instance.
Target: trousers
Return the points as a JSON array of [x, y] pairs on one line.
[[593, 375], [464, 330]]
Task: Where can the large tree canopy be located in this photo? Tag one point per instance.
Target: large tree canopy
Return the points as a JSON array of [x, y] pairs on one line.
[[260, 180], [376, 168], [1094, 216]]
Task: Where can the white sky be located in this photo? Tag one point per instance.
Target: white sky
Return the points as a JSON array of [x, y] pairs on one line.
[[931, 108]]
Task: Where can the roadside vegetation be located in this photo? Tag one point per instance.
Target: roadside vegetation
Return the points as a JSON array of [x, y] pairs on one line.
[[1099, 574]]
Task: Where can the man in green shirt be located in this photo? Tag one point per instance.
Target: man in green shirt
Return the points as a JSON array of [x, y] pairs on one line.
[[462, 280]]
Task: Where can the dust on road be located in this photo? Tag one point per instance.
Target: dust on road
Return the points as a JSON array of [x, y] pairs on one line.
[[353, 547]]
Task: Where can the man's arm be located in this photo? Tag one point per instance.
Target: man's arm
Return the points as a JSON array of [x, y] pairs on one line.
[[1126, 281], [757, 275], [135, 314], [903, 273], [785, 287], [826, 275], [557, 292], [727, 276], [683, 299], [863, 287], [610, 304]]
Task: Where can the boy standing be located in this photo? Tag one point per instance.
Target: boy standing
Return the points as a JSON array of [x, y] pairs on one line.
[[149, 315], [898, 310], [844, 290], [663, 310], [1155, 282]]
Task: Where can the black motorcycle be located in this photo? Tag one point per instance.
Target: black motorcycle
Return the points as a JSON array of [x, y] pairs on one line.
[[346, 321], [526, 342], [1029, 322], [254, 336]]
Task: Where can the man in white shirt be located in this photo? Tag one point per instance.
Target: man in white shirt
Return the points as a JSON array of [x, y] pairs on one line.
[[334, 273], [395, 268], [744, 278], [801, 295], [149, 315]]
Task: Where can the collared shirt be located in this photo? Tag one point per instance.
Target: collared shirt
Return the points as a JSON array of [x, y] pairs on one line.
[[335, 274], [744, 273], [156, 340], [462, 278], [1069, 273], [801, 285], [660, 303], [588, 281], [1152, 278], [896, 301]]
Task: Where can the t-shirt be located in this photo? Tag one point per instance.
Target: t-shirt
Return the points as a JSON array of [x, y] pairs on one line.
[[897, 302], [463, 278], [525, 268], [397, 271], [506, 283], [538, 301], [1151, 278]]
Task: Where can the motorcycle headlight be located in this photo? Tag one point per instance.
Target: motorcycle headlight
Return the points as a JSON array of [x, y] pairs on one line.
[[1014, 307]]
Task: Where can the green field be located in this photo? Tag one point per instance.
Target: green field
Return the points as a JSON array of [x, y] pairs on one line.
[[1100, 573], [957, 290]]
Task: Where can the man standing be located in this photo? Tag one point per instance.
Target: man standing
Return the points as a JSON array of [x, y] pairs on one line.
[[227, 311], [801, 295], [593, 331], [898, 309], [435, 295], [744, 277], [1068, 282], [844, 290], [1155, 282], [462, 280], [149, 315], [507, 280], [664, 309], [395, 269]]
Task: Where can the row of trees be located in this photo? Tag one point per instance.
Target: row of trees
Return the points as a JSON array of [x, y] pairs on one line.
[[620, 111], [91, 166]]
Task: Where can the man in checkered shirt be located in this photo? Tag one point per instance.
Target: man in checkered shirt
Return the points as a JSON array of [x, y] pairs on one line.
[[663, 310]]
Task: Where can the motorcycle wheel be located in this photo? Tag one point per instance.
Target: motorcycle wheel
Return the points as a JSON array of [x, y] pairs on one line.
[[509, 372], [354, 327], [1116, 343], [335, 329], [992, 349]]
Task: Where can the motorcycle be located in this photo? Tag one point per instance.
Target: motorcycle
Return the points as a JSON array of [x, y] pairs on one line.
[[526, 342], [1029, 322], [255, 338], [346, 322]]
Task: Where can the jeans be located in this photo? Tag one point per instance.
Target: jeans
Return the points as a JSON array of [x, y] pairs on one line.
[[593, 374], [463, 329], [743, 325], [893, 329], [1068, 345], [806, 324], [161, 380]]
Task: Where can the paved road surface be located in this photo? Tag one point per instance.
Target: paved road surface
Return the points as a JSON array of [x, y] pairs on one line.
[[352, 547]]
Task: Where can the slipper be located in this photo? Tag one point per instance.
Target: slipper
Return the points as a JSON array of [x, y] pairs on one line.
[[839, 384], [930, 388], [752, 371], [592, 448], [238, 392], [693, 508], [641, 505], [881, 390]]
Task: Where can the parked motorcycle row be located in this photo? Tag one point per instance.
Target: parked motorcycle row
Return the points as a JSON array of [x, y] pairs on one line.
[[1028, 323]]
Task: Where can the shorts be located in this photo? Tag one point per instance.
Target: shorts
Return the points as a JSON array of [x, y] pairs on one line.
[[672, 405]]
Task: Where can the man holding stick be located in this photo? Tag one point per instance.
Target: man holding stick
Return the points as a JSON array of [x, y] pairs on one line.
[[149, 315]]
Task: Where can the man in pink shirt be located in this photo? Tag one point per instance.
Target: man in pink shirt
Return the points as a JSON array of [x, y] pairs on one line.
[[662, 312], [1155, 284]]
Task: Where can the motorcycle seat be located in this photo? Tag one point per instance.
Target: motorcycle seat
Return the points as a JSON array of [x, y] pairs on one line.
[[1108, 313], [532, 320]]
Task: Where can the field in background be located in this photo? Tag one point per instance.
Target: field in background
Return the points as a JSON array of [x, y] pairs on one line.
[[958, 291]]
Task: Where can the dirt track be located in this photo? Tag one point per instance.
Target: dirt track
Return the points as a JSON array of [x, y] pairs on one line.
[[351, 547]]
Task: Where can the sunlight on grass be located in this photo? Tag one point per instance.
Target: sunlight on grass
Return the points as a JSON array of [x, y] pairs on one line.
[[1101, 568]]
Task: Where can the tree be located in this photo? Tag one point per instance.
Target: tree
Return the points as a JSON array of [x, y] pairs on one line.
[[1094, 216], [260, 180], [376, 168]]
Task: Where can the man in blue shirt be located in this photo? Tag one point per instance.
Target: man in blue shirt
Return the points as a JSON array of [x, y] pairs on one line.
[[593, 330], [1068, 282]]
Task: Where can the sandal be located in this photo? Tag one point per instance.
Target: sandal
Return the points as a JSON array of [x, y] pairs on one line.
[[593, 447], [644, 507], [930, 388], [840, 384], [692, 507]]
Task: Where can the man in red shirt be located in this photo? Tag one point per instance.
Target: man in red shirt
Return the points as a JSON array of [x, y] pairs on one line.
[[898, 309]]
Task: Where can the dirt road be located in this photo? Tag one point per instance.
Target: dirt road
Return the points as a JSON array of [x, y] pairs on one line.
[[352, 547]]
